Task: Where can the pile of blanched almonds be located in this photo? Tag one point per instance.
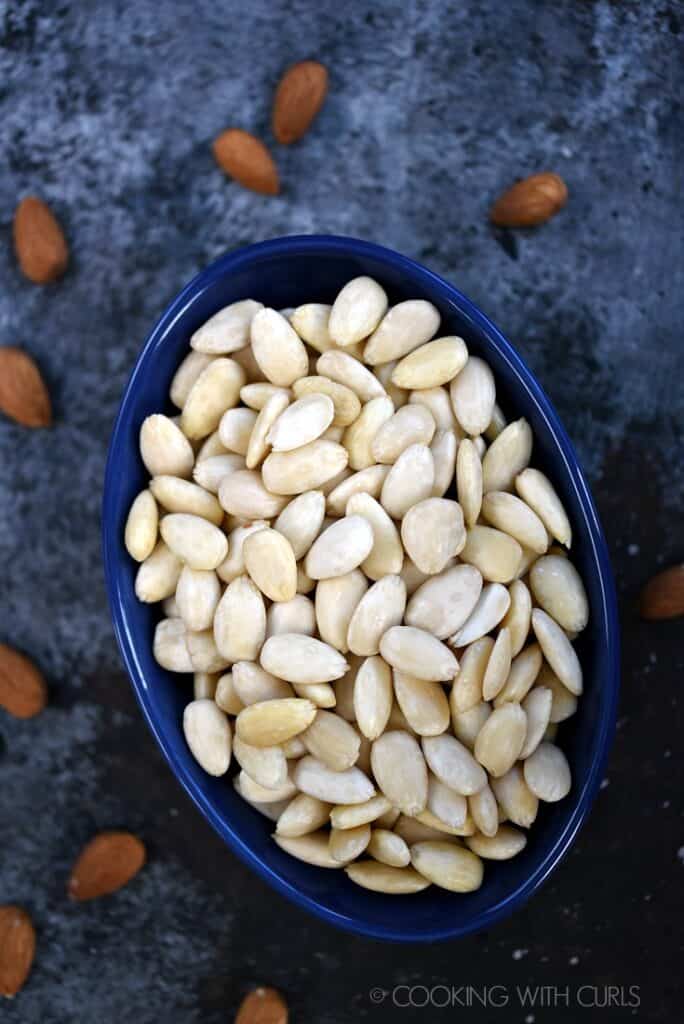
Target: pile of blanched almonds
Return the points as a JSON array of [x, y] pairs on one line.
[[369, 583]]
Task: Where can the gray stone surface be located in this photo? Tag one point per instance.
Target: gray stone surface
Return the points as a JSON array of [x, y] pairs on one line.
[[107, 110]]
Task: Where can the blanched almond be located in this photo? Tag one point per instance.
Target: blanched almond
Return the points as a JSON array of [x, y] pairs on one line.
[[305, 468], [498, 666], [210, 472], [433, 532], [467, 724], [447, 865], [157, 576], [453, 764], [295, 616], [344, 369], [563, 703], [466, 691], [370, 874], [537, 706], [300, 522], [204, 654], [349, 843], [507, 842], [312, 849], [358, 437], [469, 481], [559, 590], [507, 456], [336, 601], [444, 448], [302, 659], [501, 739], [244, 494], [169, 647], [233, 565], [226, 696], [436, 400], [558, 651], [443, 602], [380, 608], [303, 815], [140, 535], [199, 543], [494, 553], [253, 684], [208, 734], [177, 495], [534, 488], [372, 697], [346, 404], [357, 311], [270, 722], [304, 421], [386, 556], [257, 394], [310, 321], [403, 328], [304, 583], [216, 389], [270, 561], [446, 804], [320, 694], [332, 740], [400, 771], [418, 653], [277, 348], [491, 606], [515, 798], [388, 848], [547, 773], [508, 513], [265, 765], [347, 787], [437, 362], [473, 393], [485, 811], [204, 685], [164, 447], [412, 424], [518, 618], [522, 674], [240, 621], [271, 809], [409, 481], [258, 445], [197, 594], [424, 704], [340, 548], [227, 330], [235, 429], [186, 375]]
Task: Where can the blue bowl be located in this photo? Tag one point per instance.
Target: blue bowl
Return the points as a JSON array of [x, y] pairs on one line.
[[286, 272]]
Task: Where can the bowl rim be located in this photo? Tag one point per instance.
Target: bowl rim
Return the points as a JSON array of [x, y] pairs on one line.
[[350, 246]]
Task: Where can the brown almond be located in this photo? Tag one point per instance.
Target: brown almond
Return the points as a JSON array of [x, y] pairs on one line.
[[23, 395], [300, 95], [246, 159], [106, 864], [262, 1006], [663, 596], [531, 201], [22, 688], [39, 241], [17, 948]]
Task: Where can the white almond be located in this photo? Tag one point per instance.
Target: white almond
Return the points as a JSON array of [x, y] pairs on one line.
[[412, 424], [498, 666], [469, 481], [295, 616], [346, 404], [433, 533], [195, 540], [169, 646], [245, 358], [270, 561], [209, 473], [403, 328], [558, 589], [491, 606], [157, 576], [257, 394], [321, 694], [305, 468], [467, 724], [233, 565], [444, 448], [443, 602], [277, 348], [142, 523], [347, 787], [226, 696], [494, 553], [510, 514], [558, 651], [300, 522], [258, 445], [270, 722], [240, 621], [207, 733], [466, 691], [432, 364], [256, 794], [436, 400], [304, 421], [271, 810], [473, 393], [453, 764], [518, 618], [197, 594], [177, 495], [501, 739], [547, 773], [379, 609], [186, 375], [357, 311], [332, 740], [344, 369], [424, 704], [340, 548], [506, 843], [164, 447], [388, 848], [522, 674], [400, 771], [447, 865], [336, 601], [266, 765], [235, 429], [507, 456], [409, 481], [496, 424], [310, 321], [204, 654], [253, 684], [227, 330], [204, 685], [537, 706], [418, 653], [302, 659], [312, 849], [413, 831], [303, 815], [534, 488], [563, 703], [304, 583], [369, 874], [352, 815], [485, 811], [515, 798], [446, 804], [347, 844], [386, 556], [359, 436], [244, 494], [372, 697], [216, 389]]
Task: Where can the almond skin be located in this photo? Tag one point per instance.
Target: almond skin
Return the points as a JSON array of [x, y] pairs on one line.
[[39, 241], [17, 948], [300, 95], [22, 688], [529, 202], [663, 596], [262, 1006], [106, 864], [246, 159], [23, 395]]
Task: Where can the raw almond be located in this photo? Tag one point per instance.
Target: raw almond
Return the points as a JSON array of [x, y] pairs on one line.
[[258, 442], [369, 874], [433, 533], [405, 327], [164, 448], [228, 330], [521, 677], [302, 659], [498, 666], [345, 787], [169, 646], [39, 241], [186, 375], [400, 771], [534, 488], [443, 602], [262, 1006], [357, 311], [663, 596], [437, 362], [245, 159], [506, 457], [366, 481], [106, 864], [444, 449], [305, 468], [485, 811], [529, 202], [418, 653], [446, 804], [409, 481], [447, 865], [226, 696], [23, 692], [204, 654], [256, 394], [277, 348], [23, 395], [240, 621], [352, 815], [340, 548], [17, 949], [300, 95], [492, 604], [378, 610]]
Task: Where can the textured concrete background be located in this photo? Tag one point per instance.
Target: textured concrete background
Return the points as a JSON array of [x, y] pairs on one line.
[[107, 109]]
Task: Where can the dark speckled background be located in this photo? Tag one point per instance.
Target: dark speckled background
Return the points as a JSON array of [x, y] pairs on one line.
[[107, 109]]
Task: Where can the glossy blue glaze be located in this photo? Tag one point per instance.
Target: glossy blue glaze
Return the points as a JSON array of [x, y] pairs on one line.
[[286, 272]]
